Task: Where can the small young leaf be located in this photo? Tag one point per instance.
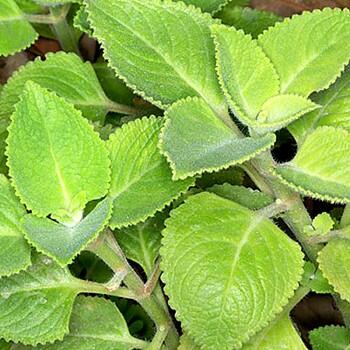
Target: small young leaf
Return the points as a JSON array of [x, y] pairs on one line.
[[16, 33], [63, 243], [56, 160], [280, 334], [81, 21], [35, 305], [251, 21], [330, 338], [334, 260], [223, 261], [15, 252], [309, 51], [141, 242], [245, 196], [143, 43], [64, 73], [195, 140], [321, 167], [96, 323], [138, 170], [211, 6], [247, 76], [335, 110], [323, 223]]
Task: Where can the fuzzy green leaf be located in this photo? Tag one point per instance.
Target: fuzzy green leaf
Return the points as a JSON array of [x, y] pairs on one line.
[[334, 260], [245, 196], [143, 43], [57, 162], [81, 21], [280, 334], [222, 266], [335, 110], [211, 6], [16, 33], [141, 242], [63, 243], [323, 223], [15, 252], [64, 73], [330, 338], [195, 140], [251, 21], [309, 51], [29, 6], [321, 168], [138, 170], [35, 305]]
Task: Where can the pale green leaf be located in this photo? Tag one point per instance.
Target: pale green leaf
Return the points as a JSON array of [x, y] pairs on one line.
[[246, 75], [195, 140], [222, 267], [16, 33], [251, 21], [141, 178], [141, 242], [29, 6], [64, 73], [57, 162], [63, 243], [35, 305], [232, 175], [321, 168], [335, 110], [143, 42], [330, 338], [309, 51], [314, 279], [252, 199], [334, 260], [323, 223], [211, 6], [15, 252], [81, 21], [280, 334]]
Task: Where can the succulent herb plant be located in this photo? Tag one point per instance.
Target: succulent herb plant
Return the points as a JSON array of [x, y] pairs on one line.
[[119, 217]]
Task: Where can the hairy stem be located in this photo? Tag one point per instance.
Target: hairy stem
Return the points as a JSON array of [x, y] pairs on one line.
[[107, 248]]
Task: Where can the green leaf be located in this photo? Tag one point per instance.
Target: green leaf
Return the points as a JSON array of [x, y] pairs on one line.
[[280, 334], [81, 21], [29, 6], [330, 338], [323, 223], [63, 73], [35, 305], [141, 242], [314, 46], [195, 140], [63, 243], [15, 252], [321, 167], [246, 75], [57, 162], [138, 170], [232, 175], [334, 260], [87, 332], [335, 111], [222, 267], [16, 33], [251, 21], [252, 199], [314, 279], [211, 6], [143, 43]]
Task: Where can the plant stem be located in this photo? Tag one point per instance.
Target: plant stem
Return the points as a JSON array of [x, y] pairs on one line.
[[107, 248], [64, 33], [122, 109]]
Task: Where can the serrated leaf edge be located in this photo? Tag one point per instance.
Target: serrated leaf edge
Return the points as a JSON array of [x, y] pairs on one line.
[[190, 9], [145, 217], [252, 331], [84, 120], [64, 263], [172, 165]]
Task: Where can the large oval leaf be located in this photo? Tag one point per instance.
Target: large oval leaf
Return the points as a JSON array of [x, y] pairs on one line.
[[143, 42], [57, 162], [227, 270]]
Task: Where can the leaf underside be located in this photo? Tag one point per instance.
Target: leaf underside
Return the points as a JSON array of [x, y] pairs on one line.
[[223, 261], [195, 140], [67, 165], [138, 170]]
